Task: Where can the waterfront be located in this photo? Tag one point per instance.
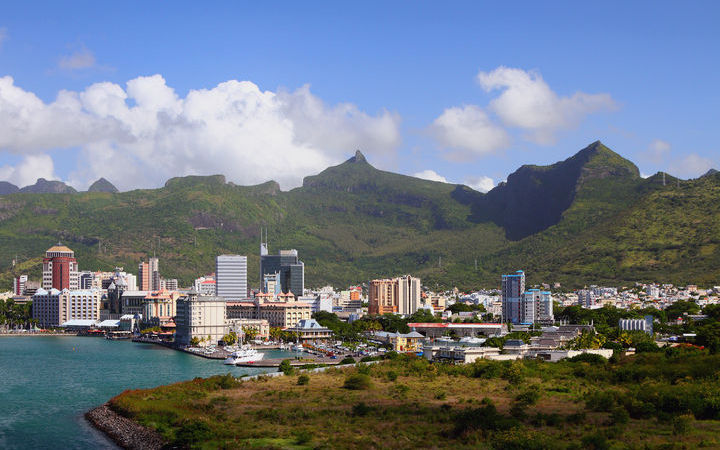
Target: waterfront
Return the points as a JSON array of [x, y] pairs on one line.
[[49, 382]]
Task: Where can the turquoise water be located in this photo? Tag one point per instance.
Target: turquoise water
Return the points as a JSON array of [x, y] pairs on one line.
[[48, 383]]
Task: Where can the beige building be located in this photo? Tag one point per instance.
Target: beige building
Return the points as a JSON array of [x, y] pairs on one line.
[[402, 295], [281, 314], [261, 326], [160, 306], [200, 316]]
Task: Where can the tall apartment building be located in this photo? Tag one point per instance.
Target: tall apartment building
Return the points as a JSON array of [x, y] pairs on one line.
[[290, 270], [398, 295], [60, 269], [144, 276], [537, 307], [513, 288], [231, 277], [202, 317], [19, 284], [149, 275]]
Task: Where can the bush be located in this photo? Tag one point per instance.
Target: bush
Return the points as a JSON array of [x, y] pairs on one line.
[[192, 432], [619, 416], [513, 373], [303, 380], [595, 442], [302, 437], [529, 397], [285, 367], [400, 390], [588, 358], [644, 347], [348, 360], [357, 382], [682, 424], [485, 417], [361, 409], [391, 375]]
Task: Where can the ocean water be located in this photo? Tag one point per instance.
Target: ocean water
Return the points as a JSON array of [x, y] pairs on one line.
[[48, 383]]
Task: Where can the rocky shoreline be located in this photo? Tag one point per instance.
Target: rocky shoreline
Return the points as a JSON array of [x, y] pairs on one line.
[[123, 431]]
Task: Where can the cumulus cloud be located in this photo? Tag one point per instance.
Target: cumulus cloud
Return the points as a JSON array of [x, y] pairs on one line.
[[528, 103], [80, 59], [468, 129], [657, 151], [430, 175], [481, 183], [29, 170], [691, 166], [144, 133]]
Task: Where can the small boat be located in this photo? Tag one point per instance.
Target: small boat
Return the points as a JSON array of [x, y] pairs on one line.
[[298, 348], [444, 339], [472, 340], [244, 355]]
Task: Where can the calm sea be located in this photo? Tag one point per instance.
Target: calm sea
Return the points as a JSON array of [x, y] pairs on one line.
[[48, 383]]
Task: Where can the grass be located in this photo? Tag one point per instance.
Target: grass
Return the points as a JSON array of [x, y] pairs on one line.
[[566, 405]]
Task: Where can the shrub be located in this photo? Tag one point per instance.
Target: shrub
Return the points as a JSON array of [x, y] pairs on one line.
[[485, 417], [588, 358], [440, 395], [361, 409], [528, 397], [513, 373], [357, 382], [303, 379], [595, 441], [348, 360], [391, 375], [400, 390], [285, 367], [302, 437], [391, 355], [192, 432], [363, 368], [682, 424], [619, 416], [645, 347], [600, 401]]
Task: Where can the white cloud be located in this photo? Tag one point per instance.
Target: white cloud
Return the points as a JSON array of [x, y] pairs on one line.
[[29, 170], [691, 166], [657, 151], [469, 130], [481, 183], [430, 175], [145, 133], [80, 59], [528, 103]]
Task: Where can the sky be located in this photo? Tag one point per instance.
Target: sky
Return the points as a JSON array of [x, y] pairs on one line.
[[463, 92]]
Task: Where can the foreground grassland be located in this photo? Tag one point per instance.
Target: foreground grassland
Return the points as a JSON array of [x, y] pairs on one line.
[[655, 400]]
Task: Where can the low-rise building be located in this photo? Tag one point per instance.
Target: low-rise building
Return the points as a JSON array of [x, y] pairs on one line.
[[261, 327], [309, 330], [281, 314], [401, 342], [460, 355], [159, 307]]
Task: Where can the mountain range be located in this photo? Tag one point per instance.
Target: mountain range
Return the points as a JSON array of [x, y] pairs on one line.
[[590, 219]]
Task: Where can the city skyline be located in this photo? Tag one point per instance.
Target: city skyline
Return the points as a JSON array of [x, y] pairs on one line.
[[529, 88]]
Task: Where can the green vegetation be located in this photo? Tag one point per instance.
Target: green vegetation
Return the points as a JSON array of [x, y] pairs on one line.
[[641, 401], [13, 315], [595, 220]]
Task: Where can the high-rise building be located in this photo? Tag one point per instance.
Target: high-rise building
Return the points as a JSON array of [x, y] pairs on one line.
[[537, 307], [202, 317], [19, 284], [52, 307], [513, 288], [398, 295], [144, 278], [60, 269], [154, 267], [287, 265], [231, 277]]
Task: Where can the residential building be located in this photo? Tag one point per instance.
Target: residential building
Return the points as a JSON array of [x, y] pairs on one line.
[[645, 324], [154, 275], [231, 277], [408, 294], [200, 316], [144, 278], [60, 269], [206, 285], [319, 302], [537, 306], [170, 284], [47, 308], [513, 287], [382, 297], [19, 284]]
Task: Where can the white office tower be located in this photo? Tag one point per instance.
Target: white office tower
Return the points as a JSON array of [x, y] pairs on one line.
[[409, 295], [231, 277]]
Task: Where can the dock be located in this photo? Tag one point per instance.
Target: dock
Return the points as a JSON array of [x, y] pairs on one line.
[[293, 362]]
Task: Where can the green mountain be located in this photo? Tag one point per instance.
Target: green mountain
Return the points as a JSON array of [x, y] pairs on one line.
[[43, 186], [588, 219], [102, 185]]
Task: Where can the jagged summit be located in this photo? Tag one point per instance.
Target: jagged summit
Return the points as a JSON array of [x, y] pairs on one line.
[[194, 180], [43, 186], [358, 158], [709, 173], [103, 185]]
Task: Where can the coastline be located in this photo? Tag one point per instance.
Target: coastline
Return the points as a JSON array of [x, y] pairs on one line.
[[37, 334], [125, 432]]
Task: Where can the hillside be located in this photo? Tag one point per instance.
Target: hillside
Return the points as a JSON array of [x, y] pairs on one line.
[[590, 218]]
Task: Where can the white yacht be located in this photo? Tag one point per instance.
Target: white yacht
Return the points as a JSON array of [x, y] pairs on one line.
[[472, 340], [244, 355]]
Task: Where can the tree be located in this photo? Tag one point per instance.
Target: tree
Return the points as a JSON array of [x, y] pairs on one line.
[[250, 333], [587, 339], [194, 341], [231, 338]]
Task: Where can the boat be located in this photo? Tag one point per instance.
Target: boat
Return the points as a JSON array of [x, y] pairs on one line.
[[244, 355], [298, 348], [472, 340], [444, 339]]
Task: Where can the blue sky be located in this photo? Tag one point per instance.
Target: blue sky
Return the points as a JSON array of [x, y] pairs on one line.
[[469, 91]]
